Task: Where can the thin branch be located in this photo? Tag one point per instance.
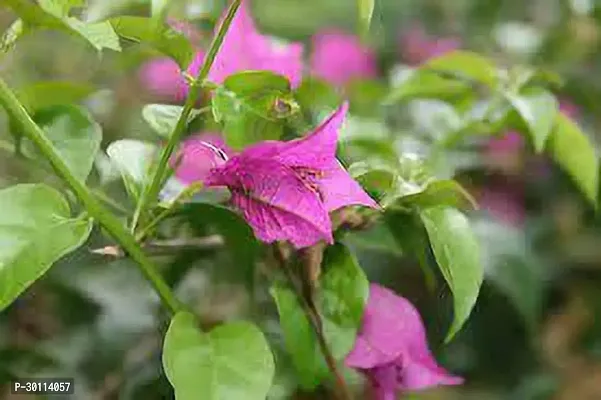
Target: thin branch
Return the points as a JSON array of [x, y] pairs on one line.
[[96, 210], [166, 246], [342, 390]]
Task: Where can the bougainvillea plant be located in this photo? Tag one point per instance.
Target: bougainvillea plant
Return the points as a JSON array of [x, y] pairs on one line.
[[268, 136]]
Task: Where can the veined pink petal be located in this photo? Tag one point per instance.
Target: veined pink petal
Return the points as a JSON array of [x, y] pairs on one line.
[[392, 342], [318, 149], [276, 204], [339, 57], [244, 48], [198, 155]]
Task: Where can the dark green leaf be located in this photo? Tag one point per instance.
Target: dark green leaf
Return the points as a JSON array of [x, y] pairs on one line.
[[457, 254], [341, 299], [36, 229], [574, 153], [232, 361], [253, 107], [315, 94], [163, 39], [46, 94], [537, 108], [74, 134], [439, 193]]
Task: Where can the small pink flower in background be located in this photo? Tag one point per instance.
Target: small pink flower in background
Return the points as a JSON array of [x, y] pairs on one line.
[[504, 202], [417, 47], [392, 349], [339, 57], [198, 155], [569, 109], [244, 48], [287, 189]]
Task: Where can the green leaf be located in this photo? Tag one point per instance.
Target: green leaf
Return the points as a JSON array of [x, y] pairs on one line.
[[467, 65], [133, 159], [162, 118], [36, 229], [162, 38], [240, 241], [425, 84], [341, 299], [316, 94], [74, 134], [574, 153], [100, 35], [232, 361], [365, 11], [457, 254], [11, 35], [158, 8], [59, 8], [537, 108], [46, 94], [253, 106], [438, 193]]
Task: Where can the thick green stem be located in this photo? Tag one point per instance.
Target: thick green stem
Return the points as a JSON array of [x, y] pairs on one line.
[[152, 190], [95, 209]]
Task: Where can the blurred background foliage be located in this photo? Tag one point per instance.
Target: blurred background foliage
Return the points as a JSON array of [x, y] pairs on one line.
[[535, 332]]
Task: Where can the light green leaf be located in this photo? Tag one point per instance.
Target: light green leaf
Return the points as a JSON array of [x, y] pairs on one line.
[[574, 153], [457, 254], [158, 8], [341, 299], [425, 84], [162, 118], [11, 35], [537, 108], [46, 94], [74, 134], [365, 11], [232, 361], [437, 193], [465, 64], [36, 229], [59, 8], [100, 34], [133, 159], [253, 106], [162, 38]]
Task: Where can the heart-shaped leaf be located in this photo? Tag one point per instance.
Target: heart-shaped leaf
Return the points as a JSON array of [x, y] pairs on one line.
[[36, 229], [232, 361]]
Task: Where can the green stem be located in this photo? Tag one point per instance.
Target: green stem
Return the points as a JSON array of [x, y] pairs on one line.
[[152, 190], [106, 219]]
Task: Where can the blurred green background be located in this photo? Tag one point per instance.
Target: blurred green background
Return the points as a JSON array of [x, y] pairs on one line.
[[535, 332]]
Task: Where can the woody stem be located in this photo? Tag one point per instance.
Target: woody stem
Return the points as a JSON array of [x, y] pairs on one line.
[[342, 390]]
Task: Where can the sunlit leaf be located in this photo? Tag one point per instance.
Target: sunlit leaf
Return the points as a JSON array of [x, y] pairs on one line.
[[465, 64], [574, 153], [60, 8], [45, 94], [74, 134], [36, 229], [425, 84], [365, 10], [233, 361], [162, 118], [163, 38], [457, 255], [133, 159], [11, 35], [341, 299], [537, 108]]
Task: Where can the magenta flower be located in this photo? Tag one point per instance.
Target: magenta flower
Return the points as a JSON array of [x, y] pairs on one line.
[[287, 189], [198, 155], [392, 349], [417, 47], [244, 48], [339, 57], [504, 202]]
